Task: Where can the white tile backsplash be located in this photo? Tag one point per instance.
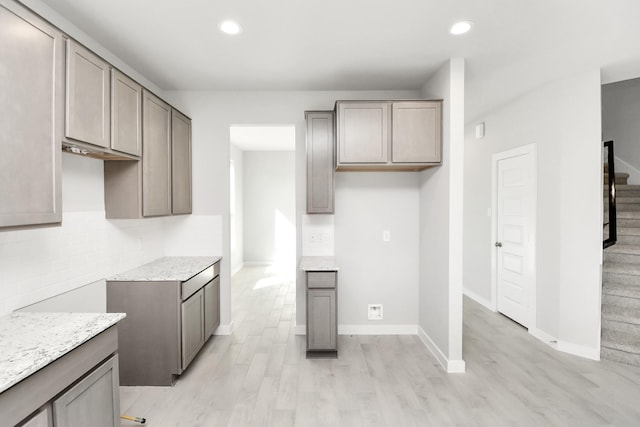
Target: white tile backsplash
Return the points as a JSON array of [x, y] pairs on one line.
[[39, 263]]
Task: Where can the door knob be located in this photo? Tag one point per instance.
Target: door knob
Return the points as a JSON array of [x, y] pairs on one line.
[[498, 244]]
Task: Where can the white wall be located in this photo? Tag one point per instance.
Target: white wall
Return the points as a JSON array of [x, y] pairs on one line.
[[269, 207], [621, 123], [237, 214], [213, 113], [373, 271], [440, 298], [563, 119]]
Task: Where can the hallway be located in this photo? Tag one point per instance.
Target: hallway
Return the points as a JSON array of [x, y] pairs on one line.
[[260, 377]]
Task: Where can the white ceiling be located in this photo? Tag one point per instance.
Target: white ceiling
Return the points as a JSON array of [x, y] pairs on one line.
[[263, 138], [514, 46]]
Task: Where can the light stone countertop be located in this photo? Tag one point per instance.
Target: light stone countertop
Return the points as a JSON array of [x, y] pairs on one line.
[[31, 341], [318, 263], [167, 269]]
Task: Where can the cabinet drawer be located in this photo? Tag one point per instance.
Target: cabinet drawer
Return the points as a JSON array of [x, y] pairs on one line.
[[321, 279], [192, 285]]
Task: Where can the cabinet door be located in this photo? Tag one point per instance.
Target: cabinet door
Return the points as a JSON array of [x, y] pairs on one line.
[[180, 163], [126, 114], [192, 327], [31, 107], [363, 132], [88, 116], [41, 419], [416, 132], [320, 158], [211, 307], [94, 401], [156, 157], [321, 319]]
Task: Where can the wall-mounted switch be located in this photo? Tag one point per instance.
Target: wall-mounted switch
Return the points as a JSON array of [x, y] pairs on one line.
[[386, 236]]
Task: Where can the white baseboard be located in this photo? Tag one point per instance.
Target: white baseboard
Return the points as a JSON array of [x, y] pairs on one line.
[[377, 329], [549, 340], [450, 366], [480, 300], [579, 350], [257, 263], [367, 330], [224, 329], [235, 270]]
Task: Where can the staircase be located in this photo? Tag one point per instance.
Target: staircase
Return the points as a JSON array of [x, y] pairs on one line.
[[621, 277]]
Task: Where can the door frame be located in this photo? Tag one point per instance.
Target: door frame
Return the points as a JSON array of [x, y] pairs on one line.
[[531, 151]]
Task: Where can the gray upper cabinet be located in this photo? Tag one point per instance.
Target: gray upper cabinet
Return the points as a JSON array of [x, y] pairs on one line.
[[416, 132], [363, 132], [320, 159], [88, 112], [126, 114], [180, 163], [156, 159], [389, 135], [31, 121]]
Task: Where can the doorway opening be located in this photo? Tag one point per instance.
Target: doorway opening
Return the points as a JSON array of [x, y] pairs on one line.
[[262, 201]]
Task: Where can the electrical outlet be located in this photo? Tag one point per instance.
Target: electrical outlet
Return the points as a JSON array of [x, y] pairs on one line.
[[375, 311]]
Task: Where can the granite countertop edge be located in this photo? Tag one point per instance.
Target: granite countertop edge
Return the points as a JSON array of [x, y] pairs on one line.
[[31, 341], [318, 263], [167, 269]]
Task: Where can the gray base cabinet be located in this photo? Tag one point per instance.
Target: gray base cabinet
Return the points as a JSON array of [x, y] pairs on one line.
[[320, 168], [94, 401], [79, 389], [167, 324], [388, 135], [322, 319], [31, 118]]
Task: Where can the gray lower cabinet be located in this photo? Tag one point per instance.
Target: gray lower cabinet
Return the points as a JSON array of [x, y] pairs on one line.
[[211, 307], [180, 163], [192, 312], [320, 159], [31, 117], [388, 135], [79, 389], [322, 319], [167, 324], [42, 419], [88, 98], [94, 401]]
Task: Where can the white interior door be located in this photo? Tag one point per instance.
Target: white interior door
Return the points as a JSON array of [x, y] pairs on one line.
[[514, 245]]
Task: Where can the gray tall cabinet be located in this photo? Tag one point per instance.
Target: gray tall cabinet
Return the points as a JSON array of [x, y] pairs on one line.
[[31, 118], [320, 159]]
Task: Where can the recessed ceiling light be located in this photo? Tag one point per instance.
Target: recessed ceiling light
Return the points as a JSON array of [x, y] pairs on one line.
[[230, 27], [460, 28]]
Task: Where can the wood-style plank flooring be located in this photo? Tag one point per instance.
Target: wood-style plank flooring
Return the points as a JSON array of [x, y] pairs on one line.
[[259, 376]]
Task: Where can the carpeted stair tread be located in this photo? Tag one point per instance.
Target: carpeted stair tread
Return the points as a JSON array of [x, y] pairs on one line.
[[624, 249], [620, 356], [618, 340], [620, 314], [621, 302], [621, 289], [613, 278], [620, 268]]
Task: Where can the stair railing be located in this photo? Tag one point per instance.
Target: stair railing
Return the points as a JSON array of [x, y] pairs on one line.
[[613, 224]]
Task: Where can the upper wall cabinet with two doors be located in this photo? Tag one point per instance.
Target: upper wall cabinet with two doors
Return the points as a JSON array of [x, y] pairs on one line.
[[388, 135], [103, 106]]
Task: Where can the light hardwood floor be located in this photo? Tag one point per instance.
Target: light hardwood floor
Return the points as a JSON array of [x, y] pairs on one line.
[[259, 376]]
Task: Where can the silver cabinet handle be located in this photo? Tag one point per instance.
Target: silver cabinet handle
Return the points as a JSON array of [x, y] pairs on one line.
[[498, 244]]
